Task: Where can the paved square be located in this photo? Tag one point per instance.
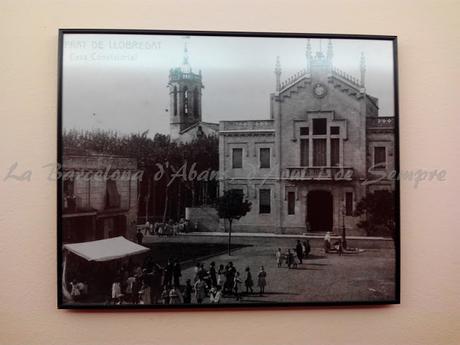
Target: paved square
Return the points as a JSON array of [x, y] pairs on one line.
[[368, 276]]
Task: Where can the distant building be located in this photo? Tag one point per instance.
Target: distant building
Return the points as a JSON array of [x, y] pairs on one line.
[[99, 197], [185, 115], [303, 168]]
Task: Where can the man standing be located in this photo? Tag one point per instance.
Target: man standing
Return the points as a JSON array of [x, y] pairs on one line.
[[177, 273], [146, 227], [168, 274], [139, 236], [213, 274], [299, 251]]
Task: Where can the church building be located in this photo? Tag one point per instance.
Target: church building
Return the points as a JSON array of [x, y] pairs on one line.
[[305, 167], [185, 91]]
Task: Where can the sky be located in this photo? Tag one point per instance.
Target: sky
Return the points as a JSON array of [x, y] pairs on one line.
[[119, 82]]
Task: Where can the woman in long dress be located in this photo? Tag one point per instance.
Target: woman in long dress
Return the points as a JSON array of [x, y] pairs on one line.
[[262, 280], [278, 257], [116, 292], [237, 286], [327, 242], [200, 290], [221, 278], [144, 295]]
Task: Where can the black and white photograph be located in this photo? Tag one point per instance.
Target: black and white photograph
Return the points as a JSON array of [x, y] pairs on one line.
[[213, 169]]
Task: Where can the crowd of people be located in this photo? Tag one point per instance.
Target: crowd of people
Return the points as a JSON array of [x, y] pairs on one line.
[[169, 228], [155, 284], [152, 283], [225, 280], [145, 284], [295, 256]]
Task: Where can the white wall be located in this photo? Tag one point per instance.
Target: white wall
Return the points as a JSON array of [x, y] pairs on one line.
[[429, 38]]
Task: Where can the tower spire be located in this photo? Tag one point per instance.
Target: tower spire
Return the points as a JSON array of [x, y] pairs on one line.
[[308, 56], [330, 53], [186, 68], [185, 62], [363, 70], [278, 74]]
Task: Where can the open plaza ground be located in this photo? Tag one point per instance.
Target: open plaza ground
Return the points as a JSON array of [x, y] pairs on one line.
[[367, 276]]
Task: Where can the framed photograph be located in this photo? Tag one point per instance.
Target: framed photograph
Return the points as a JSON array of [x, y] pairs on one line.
[[227, 169]]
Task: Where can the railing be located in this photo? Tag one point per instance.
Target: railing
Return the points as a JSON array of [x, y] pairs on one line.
[[293, 79], [176, 75], [346, 76], [381, 122], [247, 125], [318, 173], [73, 203]]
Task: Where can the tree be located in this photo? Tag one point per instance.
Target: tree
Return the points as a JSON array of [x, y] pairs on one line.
[[161, 194], [201, 155], [379, 208], [231, 206]]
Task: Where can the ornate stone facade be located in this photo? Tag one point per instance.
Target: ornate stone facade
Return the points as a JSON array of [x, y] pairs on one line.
[[306, 168]]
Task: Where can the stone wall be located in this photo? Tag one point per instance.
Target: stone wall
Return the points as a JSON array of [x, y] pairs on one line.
[[90, 174], [206, 217]]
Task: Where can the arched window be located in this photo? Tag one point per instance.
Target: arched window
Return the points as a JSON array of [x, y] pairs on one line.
[[196, 102], [175, 100], [186, 100]]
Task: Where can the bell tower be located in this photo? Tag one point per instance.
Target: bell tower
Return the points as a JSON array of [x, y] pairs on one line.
[[185, 97]]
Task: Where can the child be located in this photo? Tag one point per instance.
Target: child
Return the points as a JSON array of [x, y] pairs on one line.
[[248, 281], [164, 298], [327, 242], [262, 280], [215, 294], [75, 291], [175, 297], [139, 236], [289, 258], [236, 285], [278, 257]]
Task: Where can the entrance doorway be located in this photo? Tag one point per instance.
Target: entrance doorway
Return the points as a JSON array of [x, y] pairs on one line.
[[319, 210]]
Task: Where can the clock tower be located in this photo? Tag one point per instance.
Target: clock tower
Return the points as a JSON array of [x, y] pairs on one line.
[[185, 97]]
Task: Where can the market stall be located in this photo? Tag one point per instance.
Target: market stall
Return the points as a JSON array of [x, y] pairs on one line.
[[99, 251]]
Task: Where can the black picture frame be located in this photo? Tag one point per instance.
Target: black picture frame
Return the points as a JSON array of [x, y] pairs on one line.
[[268, 305]]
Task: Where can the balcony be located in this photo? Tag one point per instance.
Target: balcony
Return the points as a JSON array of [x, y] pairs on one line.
[[75, 206], [318, 174], [247, 125], [381, 122]]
